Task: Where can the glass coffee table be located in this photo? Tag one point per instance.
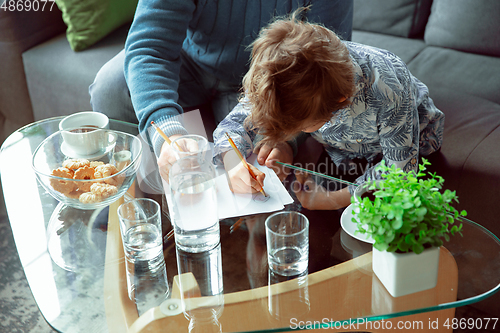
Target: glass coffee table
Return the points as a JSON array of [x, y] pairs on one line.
[[87, 292]]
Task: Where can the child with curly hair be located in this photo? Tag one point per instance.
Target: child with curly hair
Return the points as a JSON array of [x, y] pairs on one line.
[[359, 102]]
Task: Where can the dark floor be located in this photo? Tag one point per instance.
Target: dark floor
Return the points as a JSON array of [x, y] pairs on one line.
[[19, 312]]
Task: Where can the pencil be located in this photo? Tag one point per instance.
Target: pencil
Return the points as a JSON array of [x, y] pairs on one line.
[[163, 135], [169, 235], [231, 142], [236, 225], [316, 173]]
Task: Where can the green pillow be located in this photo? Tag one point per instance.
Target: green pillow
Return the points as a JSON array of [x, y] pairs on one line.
[[89, 21]]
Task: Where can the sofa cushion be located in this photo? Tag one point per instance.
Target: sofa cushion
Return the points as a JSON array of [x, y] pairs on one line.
[[481, 172], [58, 78], [467, 157], [465, 25], [89, 21], [405, 48], [404, 18], [469, 164], [468, 73], [20, 30]]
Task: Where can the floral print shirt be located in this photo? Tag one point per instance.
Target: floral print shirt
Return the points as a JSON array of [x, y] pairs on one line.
[[390, 114]]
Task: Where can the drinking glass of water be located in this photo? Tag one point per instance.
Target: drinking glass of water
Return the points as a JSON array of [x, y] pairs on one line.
[[140, 225], [287, 238], [194, 199]]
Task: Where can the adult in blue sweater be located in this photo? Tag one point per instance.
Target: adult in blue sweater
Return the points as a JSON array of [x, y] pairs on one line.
[[185, 53]]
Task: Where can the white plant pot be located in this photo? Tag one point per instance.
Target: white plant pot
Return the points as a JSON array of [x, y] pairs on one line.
[[406, 273]]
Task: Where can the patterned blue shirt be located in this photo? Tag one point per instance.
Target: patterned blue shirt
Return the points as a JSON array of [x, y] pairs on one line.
[[390, 114]]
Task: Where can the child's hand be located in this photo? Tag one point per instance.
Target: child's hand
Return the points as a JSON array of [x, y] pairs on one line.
[[282, 152], [315, 197], [311, 195], [240, 180]]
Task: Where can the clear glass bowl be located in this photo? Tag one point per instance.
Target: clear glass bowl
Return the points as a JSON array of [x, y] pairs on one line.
[[93, 186]]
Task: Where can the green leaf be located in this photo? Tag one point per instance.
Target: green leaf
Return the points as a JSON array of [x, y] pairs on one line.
[[392, 248], [406, 228], [417, 248], [403, 247], [380, 246], [389, 236], [420, 212], [422, 234], [397, 223], [407, 205], [410, 239]]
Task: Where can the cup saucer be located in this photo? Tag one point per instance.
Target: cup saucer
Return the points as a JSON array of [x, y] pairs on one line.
[[71, 153]]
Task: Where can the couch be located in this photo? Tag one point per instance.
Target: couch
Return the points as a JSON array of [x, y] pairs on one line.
[[453, 46]]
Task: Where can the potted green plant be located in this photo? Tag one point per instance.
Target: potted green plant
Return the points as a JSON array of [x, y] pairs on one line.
[[408, 216]]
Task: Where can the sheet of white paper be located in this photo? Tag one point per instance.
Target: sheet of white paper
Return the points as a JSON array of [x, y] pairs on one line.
[[230, 204]]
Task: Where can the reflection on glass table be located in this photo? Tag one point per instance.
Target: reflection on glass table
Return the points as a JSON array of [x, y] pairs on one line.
[[230, 287], [200, 278]]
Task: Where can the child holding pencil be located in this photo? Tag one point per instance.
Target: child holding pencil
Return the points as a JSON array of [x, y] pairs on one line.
[[359, 102]]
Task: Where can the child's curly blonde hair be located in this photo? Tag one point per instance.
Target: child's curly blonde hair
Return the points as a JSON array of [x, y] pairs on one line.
[[299, 71]]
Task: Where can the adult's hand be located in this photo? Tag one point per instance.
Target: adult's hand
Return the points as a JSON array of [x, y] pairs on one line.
[[167, 158], [268, 155]]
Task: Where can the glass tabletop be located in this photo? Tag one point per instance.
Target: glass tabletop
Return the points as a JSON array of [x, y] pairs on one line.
[[86, 293]]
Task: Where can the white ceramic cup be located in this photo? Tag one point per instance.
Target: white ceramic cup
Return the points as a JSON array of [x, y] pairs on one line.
[[84, 133]]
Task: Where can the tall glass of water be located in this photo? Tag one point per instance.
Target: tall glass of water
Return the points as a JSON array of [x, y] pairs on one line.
[[140, 225], [194, 199], [191, 145]]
